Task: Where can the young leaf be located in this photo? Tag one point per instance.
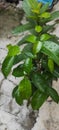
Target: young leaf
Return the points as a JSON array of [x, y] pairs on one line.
[[28, 38], [13, 50], [25, 88], [38, 99], [45, 15], [45, 37], [18, 71], [7, 65], [23, 54], [36, 7], [38, 28], [37, 47], [51, 65], [44, 8], [31, 38]]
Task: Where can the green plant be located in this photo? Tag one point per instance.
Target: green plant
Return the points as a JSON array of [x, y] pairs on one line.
[[38, 60]]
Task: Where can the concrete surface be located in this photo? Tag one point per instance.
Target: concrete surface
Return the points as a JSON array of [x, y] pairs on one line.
[[15, 117]]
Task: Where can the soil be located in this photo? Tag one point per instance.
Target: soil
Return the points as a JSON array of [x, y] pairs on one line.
[[10, 17]]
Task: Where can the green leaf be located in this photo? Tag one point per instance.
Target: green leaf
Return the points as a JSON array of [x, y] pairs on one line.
[[18, 71], [22, 91], [18, 97], [22, 28], [14, 91], [23, 40], [38, 28], [45, 37], [45, 15], [53, 94], [51, 65], [52, 50], [56, 73], [25, 88], [38, 99], [7, 65], [9, 46], [39, 82], [37, 47], [29, 55], [47, 28], [31, 38], [28, 65], [13, 50], [27, 7], [54, 15], [44, 8], [19, 58], [27, 49], [36, 7]]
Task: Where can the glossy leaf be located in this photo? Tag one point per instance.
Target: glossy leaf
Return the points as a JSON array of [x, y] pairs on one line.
[[37, 47], [14, 91], [29, 55], [18, 71], [39, 82], [52, 50], [18, 97], [28, 65], [25, 88], [7, 65], [38, 99], [53, 94], [19, 58]]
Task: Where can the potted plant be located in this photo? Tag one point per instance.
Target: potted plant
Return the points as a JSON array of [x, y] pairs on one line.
[[38, 62]]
